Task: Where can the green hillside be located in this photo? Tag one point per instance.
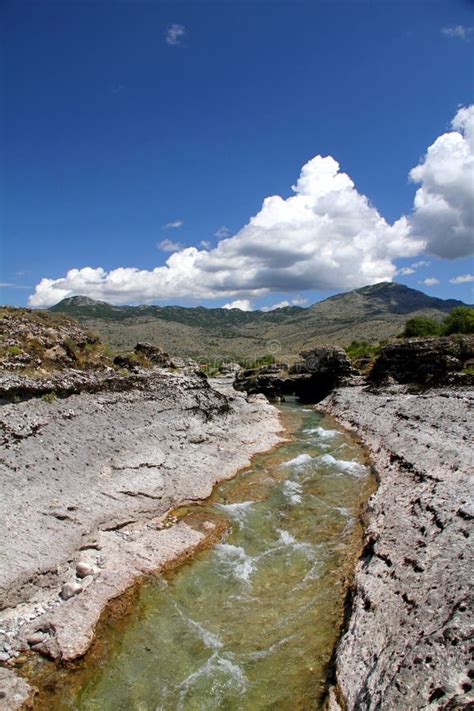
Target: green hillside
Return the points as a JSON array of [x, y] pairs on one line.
[[372, 313]]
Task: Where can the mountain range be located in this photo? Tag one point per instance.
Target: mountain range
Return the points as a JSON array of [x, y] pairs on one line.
[[372, 313]]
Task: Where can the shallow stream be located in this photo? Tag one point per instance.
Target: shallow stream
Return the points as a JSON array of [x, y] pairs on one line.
[[251, 623]]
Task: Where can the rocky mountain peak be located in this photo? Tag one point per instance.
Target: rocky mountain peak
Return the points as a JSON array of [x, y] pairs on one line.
[[80, 301]]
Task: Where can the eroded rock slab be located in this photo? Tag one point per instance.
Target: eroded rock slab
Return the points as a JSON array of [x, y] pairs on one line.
[[407, 645], [86, 484]]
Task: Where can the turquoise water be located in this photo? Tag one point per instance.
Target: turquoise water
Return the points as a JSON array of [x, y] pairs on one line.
[[250, 623]]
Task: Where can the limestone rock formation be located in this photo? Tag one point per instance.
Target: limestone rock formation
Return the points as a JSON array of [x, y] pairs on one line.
[[70, 381], [86, 482], [407, 644], [330, 361], [40, 340], [229, 368], [311, 379], [143, 354], [425, 361]]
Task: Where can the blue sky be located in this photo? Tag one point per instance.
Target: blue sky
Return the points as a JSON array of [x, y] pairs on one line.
[[122, 117]]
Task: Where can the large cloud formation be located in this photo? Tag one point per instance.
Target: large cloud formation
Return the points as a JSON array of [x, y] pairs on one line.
[[325, 236], [443, 213]]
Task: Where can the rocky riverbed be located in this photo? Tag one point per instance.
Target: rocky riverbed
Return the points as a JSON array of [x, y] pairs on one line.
[[87, 484], [89, 480], [407, 643]]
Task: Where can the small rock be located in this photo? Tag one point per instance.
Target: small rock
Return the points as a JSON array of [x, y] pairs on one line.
[[70, 589], [208, 525], [21, 659], [36, 638], [83, 569], [4, 657]]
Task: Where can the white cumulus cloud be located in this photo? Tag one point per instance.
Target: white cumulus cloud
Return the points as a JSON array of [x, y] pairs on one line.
[[430, 281], [282, 304], [167, 245], [411, 269], [457, 31], [327, 236], [443, 213], [421, 263], [462, 279], [175, 34], [242, 304], [176, 224], [9, 285], [222, 232]]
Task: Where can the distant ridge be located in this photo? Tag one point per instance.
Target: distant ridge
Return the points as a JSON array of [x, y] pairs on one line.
[[398, 298], [373, 313], [83, 306]]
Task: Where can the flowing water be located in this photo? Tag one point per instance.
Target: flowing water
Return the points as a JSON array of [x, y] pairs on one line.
[[251, 623]]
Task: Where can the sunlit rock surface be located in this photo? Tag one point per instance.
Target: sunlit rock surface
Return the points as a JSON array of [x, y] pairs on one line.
[[407, 643]]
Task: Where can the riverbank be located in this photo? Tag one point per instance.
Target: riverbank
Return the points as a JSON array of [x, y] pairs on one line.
[[230, 628], [87, 482], [407, 641]]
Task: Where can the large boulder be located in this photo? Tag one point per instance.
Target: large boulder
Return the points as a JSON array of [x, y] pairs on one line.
[[274, 368], [273, 385], [144, 354], [153, 354], [426, 361], [328, 361], [311, 379], [229, 368]]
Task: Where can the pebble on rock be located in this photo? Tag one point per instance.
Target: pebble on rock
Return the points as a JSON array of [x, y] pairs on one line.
[[36, 638], [70, 589], [84, 569], [21, 659]]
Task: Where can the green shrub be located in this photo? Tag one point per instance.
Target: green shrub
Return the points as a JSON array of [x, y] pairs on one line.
[[14, 350], [362, 348], [49, 397], [460, 320], [421, 326], [265, 360], [35, 347], [70, 346], [258, 362]]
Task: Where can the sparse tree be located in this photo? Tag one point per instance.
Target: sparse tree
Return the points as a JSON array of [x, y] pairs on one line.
[[460, 320], [421, 326]]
